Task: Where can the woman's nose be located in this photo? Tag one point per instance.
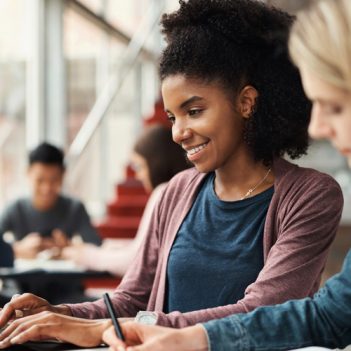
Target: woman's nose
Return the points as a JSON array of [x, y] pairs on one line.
[[180, 132]]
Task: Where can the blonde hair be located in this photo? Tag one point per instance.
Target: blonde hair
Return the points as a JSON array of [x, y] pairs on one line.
[[320, 40]]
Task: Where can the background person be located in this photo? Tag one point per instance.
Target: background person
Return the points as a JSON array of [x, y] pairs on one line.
[[244, 228], [47, 218], [155, 159]]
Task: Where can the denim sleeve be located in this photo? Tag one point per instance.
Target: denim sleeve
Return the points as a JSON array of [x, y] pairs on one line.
[[324, 320]]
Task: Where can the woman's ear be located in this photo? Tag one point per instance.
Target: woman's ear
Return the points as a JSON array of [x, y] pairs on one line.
[[247, 101]]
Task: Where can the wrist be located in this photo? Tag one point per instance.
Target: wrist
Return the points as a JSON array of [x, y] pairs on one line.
[[62, 309], [195, 338]]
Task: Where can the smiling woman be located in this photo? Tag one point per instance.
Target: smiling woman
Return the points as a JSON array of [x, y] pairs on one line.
[[243, 228], [321, 47]]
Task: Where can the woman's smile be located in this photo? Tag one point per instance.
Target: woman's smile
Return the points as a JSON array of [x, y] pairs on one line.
[[195, 152]]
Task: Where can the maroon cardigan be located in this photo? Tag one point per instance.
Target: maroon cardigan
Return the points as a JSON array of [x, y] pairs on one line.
[[301, 223]]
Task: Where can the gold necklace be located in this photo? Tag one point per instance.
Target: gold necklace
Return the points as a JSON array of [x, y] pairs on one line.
[[250, 191]]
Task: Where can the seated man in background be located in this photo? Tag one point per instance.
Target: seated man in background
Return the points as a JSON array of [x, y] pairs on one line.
[[46, 219]]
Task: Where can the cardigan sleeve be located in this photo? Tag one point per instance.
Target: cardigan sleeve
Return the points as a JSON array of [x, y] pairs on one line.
[[133, 293], [305, 226]]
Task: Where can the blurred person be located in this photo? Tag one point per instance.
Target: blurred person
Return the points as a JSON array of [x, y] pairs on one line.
[[155, 160], [244, 228], [47, 219]]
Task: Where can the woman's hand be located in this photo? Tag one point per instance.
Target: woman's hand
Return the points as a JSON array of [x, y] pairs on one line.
[[49, 325], [28, 304], [154, 338], [81, 254]]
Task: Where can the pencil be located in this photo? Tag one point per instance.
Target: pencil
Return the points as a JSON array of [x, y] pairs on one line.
[[113, 316]]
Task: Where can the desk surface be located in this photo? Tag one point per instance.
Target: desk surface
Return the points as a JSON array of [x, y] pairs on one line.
[[54, 280], [28, 269], [48, 346], [46, 264]]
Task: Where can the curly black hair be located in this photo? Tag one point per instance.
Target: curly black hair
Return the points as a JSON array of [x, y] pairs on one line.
[[239, 43]]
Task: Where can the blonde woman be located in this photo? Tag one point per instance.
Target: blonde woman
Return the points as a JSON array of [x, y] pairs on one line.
[[244, 228], [320, 45]]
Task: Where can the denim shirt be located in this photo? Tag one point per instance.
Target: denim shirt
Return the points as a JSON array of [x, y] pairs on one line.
[[324, 320]]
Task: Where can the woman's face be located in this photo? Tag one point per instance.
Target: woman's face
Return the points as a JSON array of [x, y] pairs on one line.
[[205, 122], [141, 169], [331, 112]]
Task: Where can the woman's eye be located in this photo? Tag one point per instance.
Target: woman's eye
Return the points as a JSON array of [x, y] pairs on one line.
[[171, 118], [333, 110], [336, 110], [194, 112]]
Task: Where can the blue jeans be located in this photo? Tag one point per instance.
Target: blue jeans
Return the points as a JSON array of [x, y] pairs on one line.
[[324, 320]]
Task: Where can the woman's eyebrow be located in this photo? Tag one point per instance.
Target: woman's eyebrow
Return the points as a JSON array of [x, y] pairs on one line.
[[187, 102]]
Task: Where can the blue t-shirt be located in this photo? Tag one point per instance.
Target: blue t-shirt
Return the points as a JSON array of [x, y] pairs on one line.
[[218, 251]]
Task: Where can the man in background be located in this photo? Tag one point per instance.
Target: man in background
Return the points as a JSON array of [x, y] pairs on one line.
[[47, 219]]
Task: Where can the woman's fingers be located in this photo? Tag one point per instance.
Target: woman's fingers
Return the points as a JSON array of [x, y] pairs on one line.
[[154, 344], [14, 314], [138, 337], [23, 329], [49, 325], [35, 332], [110, 338], [131, 333], [25, 304], [155, 338]]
